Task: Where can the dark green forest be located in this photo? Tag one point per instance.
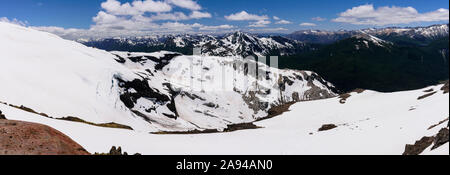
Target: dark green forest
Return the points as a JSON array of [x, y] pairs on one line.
[[403, 65]]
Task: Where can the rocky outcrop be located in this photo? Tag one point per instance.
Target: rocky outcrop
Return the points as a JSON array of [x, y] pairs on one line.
[[2, 116], [327, 127], [24, 138], [438, 140]]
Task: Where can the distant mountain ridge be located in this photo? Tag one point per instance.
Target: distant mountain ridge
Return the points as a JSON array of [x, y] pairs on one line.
[[232, 44], [390, 33]]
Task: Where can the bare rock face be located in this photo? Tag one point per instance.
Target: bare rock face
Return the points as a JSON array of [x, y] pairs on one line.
[[24, 138], [2, 116]]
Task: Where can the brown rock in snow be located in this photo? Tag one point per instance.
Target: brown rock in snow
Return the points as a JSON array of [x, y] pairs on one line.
[[24, 138]]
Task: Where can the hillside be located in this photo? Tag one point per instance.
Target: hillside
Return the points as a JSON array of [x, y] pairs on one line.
[[361, 62]]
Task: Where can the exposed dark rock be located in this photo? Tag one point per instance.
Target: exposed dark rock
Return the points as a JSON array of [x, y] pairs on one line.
[[241, 126], [443, 121], [438, 140], [192, 96], [170, 116], [115, 152], [327, 127], [445, 87], [429, 90], [441, 138], [210, 104], [426, 95], [277, 110], [317, 92], [419, 146], [288, 81], [163, 61], [254, 102], [120, 59], [2, 116], [106, 125], [142, 90], [295, 96], [343, 98], [171, 106], [137, 59]]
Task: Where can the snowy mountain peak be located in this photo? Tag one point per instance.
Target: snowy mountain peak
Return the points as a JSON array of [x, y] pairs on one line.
[[370, 38]]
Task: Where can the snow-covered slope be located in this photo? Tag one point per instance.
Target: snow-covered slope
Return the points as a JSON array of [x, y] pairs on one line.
[[60, 78], [145, 91], [367, 123]]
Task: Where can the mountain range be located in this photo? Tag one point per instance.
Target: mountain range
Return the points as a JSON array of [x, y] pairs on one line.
[[385, 59], [232, 44], [419, 34]]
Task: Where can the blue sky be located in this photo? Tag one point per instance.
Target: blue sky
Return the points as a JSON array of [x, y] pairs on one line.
[[280, 16]]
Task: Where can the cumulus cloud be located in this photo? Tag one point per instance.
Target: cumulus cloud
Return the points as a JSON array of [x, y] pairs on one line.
[[368, 15], [187, 4], [198, 15], [244, 16], [308, 24], [262, 23], [318, 19], [283, 22], [216, 28], [279, 29], [139, 18], [135, 8], [176, 16]]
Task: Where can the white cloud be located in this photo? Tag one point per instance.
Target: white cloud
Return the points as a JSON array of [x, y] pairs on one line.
[[13, 21], [152, 6], [279, 29], [283, 22], [318, 19], [131, 17], [262, 23], [104, 18], [137, 7], [216, 28], [368, 15], [198, 15], [307, 24], [187, 4], [176, 16], [244, 16]]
